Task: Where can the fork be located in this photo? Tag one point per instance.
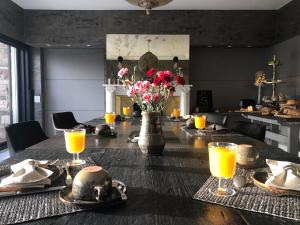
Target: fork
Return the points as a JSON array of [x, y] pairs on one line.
[[69, 179]]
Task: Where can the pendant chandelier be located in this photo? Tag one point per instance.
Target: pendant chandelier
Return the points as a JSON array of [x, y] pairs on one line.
[[149, 4]]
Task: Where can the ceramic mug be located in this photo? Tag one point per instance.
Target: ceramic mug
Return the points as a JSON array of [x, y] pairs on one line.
[[247, 155], [91, 184]]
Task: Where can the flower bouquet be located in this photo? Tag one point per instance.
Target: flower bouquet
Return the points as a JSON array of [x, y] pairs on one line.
[[151, 94]]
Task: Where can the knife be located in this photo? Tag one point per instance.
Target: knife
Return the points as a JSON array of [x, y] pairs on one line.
[[30, 191]]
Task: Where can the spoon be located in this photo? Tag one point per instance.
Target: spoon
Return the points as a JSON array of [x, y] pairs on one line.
[[68, 178]]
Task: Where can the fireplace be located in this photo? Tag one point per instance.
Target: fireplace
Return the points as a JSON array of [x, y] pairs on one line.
[[115, 93]]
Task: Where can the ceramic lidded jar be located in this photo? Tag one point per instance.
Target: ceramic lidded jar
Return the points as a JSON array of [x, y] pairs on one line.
[[91, 184]]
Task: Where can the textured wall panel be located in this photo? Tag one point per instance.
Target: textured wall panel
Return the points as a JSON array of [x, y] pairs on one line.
[[288, 21], [11, 20], [218, 28]]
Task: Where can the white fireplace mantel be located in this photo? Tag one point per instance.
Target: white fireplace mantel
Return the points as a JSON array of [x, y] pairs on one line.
[[112, 90]]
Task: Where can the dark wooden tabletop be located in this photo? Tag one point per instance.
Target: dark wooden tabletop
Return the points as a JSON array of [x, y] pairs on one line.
[[160, 188]]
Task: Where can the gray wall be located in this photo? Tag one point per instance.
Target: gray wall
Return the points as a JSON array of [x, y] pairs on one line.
[[289, 71], [218, 28], [73, 82], [37, 80], [288, 21], [228, 72], [11, 20]]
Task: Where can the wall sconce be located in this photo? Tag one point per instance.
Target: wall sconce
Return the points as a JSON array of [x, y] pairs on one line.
[[175, 60], [120, 62]]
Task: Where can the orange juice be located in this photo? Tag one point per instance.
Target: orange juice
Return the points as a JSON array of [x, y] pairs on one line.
[[200, 121], [110, 118], [176, 112], [126, 110], [199, 143], [75, 141], [222, 160]]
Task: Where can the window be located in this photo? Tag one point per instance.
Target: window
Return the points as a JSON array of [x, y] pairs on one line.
[[8, 88]]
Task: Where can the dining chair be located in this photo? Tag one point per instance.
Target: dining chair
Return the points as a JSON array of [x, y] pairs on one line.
[[63, 120], [254, 130], [216, 118], [23, 135]]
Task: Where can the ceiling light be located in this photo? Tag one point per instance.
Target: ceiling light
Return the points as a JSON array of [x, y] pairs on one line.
[[88, 45], [149, 4], [68, 45]]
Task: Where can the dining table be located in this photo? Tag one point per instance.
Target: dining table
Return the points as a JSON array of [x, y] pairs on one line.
[[160, 189]]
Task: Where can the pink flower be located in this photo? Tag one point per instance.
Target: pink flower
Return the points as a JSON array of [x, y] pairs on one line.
[[138, 85], [156, 97], [150, 72], [131, 91], [122, 72], [145, 85], [147, 97]]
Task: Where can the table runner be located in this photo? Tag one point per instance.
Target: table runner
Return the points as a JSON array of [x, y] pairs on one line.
[[17, 209], [253, 199], [194, 133]]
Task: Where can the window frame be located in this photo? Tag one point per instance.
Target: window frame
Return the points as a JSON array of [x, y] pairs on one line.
[[24, 89]]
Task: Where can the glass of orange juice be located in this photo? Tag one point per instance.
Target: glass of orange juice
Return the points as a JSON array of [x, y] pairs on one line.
[[110, 119], [200, 122], [75, 144], [126, 110], [176, 113], [222, 164]]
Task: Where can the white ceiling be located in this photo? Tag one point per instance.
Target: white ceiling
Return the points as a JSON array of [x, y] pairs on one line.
[[175, 5]]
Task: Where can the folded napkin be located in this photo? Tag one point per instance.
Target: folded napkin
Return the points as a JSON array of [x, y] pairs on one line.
[[285, 175], [28, 173], [215, 127]]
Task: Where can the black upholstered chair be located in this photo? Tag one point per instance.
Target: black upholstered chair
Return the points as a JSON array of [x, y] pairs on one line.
[[64, 120], [257, 131], [216, 118], [23, 135]]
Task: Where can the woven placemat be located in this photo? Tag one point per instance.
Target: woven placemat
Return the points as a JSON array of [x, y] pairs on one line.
[[195, 133], [17, 209], [252, 199]]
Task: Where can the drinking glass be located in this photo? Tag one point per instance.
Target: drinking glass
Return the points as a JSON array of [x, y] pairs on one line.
[[222, 164], [200, 122], [176, 113], [126, 111], [110, 119], [75, 144]]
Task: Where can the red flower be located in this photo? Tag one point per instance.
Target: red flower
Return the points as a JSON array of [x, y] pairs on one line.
[[157, 81], [160, 74], [156, 97], [150, 72], [180, 80], [165, 76]]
